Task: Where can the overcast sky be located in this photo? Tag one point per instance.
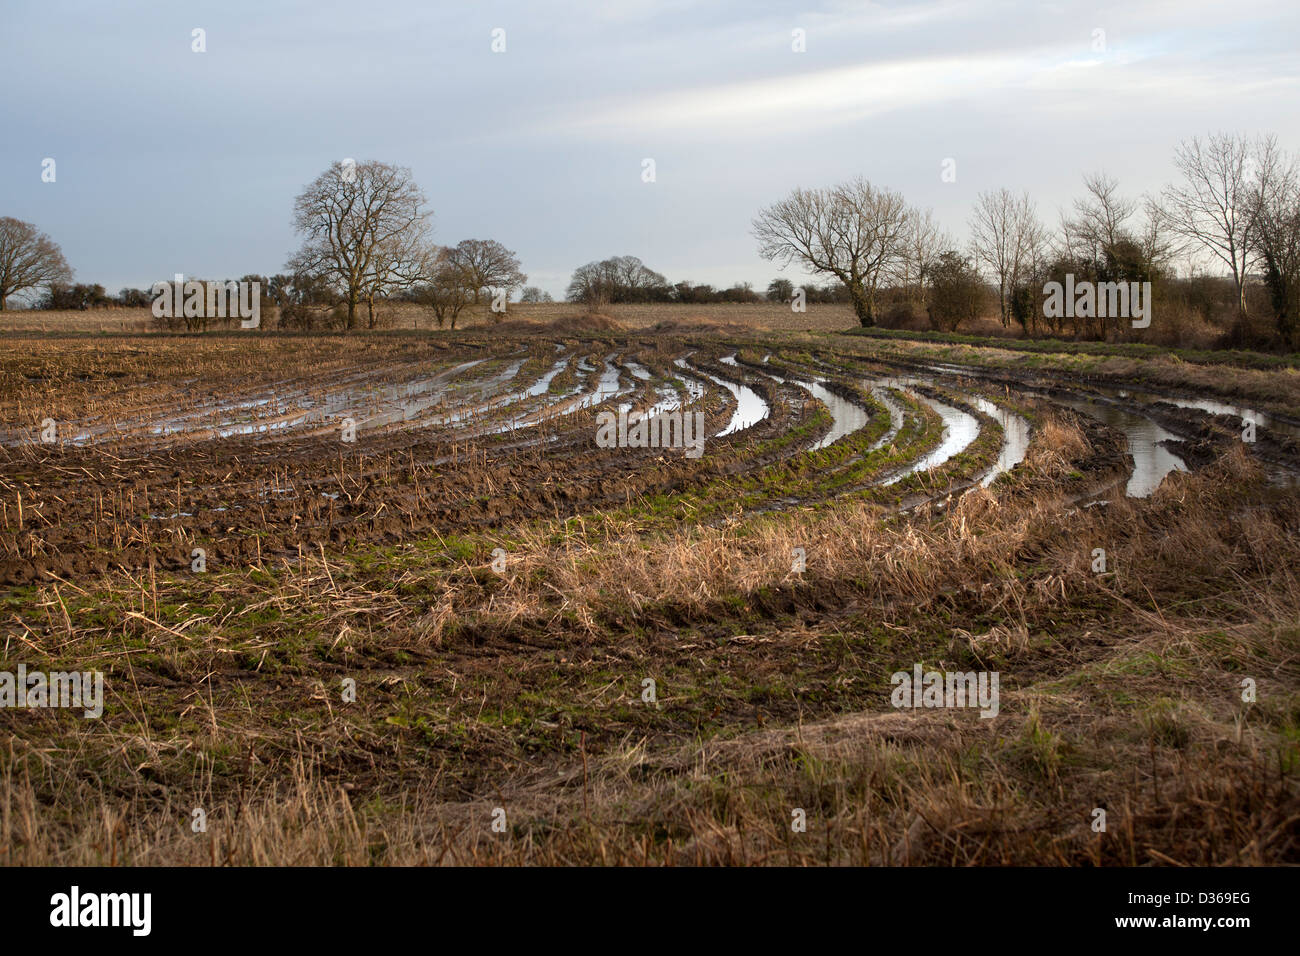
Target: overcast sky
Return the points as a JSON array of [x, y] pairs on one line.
[[172, 161]]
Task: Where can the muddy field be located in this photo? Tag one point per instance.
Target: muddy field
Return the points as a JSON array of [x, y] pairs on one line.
[[362, 598]]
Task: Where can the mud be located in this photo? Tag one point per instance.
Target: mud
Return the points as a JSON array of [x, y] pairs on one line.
[[486, 432]]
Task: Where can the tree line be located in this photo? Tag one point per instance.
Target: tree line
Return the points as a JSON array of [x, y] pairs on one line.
[[1236, 202], [366, 238], [621, 280]]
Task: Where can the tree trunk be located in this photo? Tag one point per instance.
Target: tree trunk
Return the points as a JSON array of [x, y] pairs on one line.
[[861, 301], [1286, 323], [862, 308], [352, 310]]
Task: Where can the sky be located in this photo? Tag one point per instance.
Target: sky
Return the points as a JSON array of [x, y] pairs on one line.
[[168, 160]]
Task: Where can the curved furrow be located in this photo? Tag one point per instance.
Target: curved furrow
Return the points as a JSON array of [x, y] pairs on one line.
[[495, 433]]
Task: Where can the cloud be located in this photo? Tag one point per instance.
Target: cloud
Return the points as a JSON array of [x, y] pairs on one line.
[[787, 104]]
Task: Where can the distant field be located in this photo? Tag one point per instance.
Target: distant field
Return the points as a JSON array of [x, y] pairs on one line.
[[764, 315], [98, 320]]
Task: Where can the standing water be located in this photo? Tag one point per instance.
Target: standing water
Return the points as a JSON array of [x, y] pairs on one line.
[[1151, 460]]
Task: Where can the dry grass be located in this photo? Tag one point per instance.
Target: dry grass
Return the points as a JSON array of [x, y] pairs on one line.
[[74, 320]]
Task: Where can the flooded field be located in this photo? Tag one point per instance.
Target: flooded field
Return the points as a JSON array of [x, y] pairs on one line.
[[243, 524], [399, 424]]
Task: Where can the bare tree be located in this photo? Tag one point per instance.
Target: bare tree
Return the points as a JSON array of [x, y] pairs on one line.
[[1210, 207], [1274, 209], [398, 264], [617, 280], [1007, 238], [446, 288], [1100, 218], [854, 231], [29, 260], [926, 242], [1159, 242], [635, 280], [488, 265], [360, 223]]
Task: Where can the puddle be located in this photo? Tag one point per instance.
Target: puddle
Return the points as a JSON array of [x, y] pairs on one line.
[[486, 389], [750, 407], [606, 388], [1212, 407], [1151, 460], [638, 370], [695, 389], [543, 384], [959, 430], [669, 400], [1208, 405], [955, 370], [413, 397], [896, 417], [1015, 436], [541, 387], [846, 416]]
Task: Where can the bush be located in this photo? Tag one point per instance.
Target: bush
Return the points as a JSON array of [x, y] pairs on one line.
[[956, 292], [311, 317], [900, 315], [1257, 333], [64, 297]]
